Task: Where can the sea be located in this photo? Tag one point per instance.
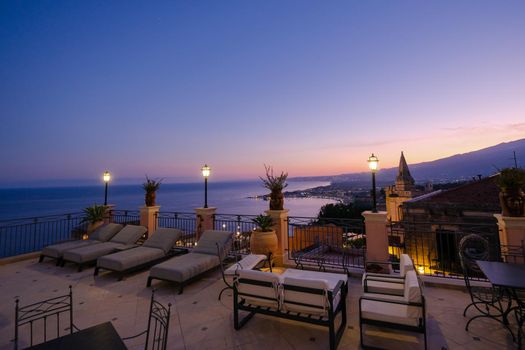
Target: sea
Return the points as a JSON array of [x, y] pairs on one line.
[[234, 197]]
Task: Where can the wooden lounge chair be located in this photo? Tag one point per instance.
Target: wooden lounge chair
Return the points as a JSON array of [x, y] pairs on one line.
[[102, 234], [123, 240], [155, 249], [208, 254]]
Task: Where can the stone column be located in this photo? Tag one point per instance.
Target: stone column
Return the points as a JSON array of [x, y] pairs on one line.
[[280, 225], [205, 220], [148, 218], [512, 233], [376, 236]]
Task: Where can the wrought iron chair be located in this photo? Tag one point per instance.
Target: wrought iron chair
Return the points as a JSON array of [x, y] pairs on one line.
[[158, 326], [490, 302], [40, 313], [519, 312]]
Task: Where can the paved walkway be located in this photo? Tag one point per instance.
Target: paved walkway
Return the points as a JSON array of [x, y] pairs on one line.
[[199, 321]]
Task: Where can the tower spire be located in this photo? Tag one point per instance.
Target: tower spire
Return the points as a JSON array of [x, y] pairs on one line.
[[404, 179]]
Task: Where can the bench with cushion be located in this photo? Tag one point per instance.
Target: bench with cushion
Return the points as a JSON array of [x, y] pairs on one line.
[[249, 262], [406, 312], [155, 249], [101, 234], [211, 249], [125, 239], [307, 296]]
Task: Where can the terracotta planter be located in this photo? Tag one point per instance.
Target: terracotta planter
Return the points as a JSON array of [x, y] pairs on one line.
[[92, 227], [150, 199], [512, 203], [276, 200], [263, 242]]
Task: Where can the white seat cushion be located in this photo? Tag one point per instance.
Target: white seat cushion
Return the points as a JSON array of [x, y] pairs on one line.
[[331, 278], [305, 302], [382, 287], [412, 290], [392, 313], [247, 263], [259, 295], [405, 264]]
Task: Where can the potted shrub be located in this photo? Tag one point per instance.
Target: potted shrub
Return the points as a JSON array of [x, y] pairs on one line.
[[263, 239], [94, 216], [151, 187], [511, 182], [275, 184]]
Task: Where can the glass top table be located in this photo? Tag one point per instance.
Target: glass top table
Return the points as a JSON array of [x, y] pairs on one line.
[[503, 274]]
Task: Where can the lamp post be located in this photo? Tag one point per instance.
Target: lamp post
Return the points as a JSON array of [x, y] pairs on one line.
[[205, 173], [373, 164], [106, 177]]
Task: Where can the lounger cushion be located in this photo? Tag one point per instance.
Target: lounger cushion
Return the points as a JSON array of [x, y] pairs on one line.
[[392, 313], [90, 252], [57, 250], [129, 234], [184, 267], [267, 296], [316, 304], [130, 258], [163, 238], [405, 264], [106, 232], [207, 243], [412, 291]]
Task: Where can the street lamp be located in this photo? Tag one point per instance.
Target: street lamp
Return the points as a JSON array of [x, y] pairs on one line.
[[206, 172], [373, 163], [106, 177]]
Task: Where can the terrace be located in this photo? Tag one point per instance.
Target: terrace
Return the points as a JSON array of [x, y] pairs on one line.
[[200, 321]]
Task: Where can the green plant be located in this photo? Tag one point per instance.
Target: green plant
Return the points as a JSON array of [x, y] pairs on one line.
[[264, 222], [272, 182], [94, 213], [151, 185], [511, 179]]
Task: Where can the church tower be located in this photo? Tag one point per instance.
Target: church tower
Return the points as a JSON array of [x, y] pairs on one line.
[[403, 190]]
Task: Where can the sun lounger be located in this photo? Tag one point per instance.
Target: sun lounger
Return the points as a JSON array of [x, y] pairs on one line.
[[154, 250], [208, 254], [123, 240], [102, 234]]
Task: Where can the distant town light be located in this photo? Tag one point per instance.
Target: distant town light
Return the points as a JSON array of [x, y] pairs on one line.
[[373, 163]]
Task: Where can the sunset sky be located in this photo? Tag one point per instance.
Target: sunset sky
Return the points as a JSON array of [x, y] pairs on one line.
[[310, 87]]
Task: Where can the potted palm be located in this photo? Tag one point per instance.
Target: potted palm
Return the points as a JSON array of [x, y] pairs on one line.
[[275, 184], [263, 239], [511, 182], [151, 187], [94, 216]]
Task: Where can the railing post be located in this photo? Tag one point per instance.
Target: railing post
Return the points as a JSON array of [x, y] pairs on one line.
[[376, 236], [511, 232], [280, 225], [148, 218], [204, 220]]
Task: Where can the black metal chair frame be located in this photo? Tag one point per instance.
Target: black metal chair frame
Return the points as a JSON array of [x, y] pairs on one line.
[[158, 322], [44, 310], [490, 302], [421, 328], [240, 304]]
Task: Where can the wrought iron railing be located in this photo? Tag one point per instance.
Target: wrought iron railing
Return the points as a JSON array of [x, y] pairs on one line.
[[434, 246], [241, 225], [131, 217], [339, 243], [20, 236], [185, 222]]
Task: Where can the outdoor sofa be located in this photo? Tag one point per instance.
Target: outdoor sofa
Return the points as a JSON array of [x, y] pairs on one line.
[[388, 283], [158, 247], [306, 296], [123, 240], [211, 249], [101, 234], [406, 312]]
